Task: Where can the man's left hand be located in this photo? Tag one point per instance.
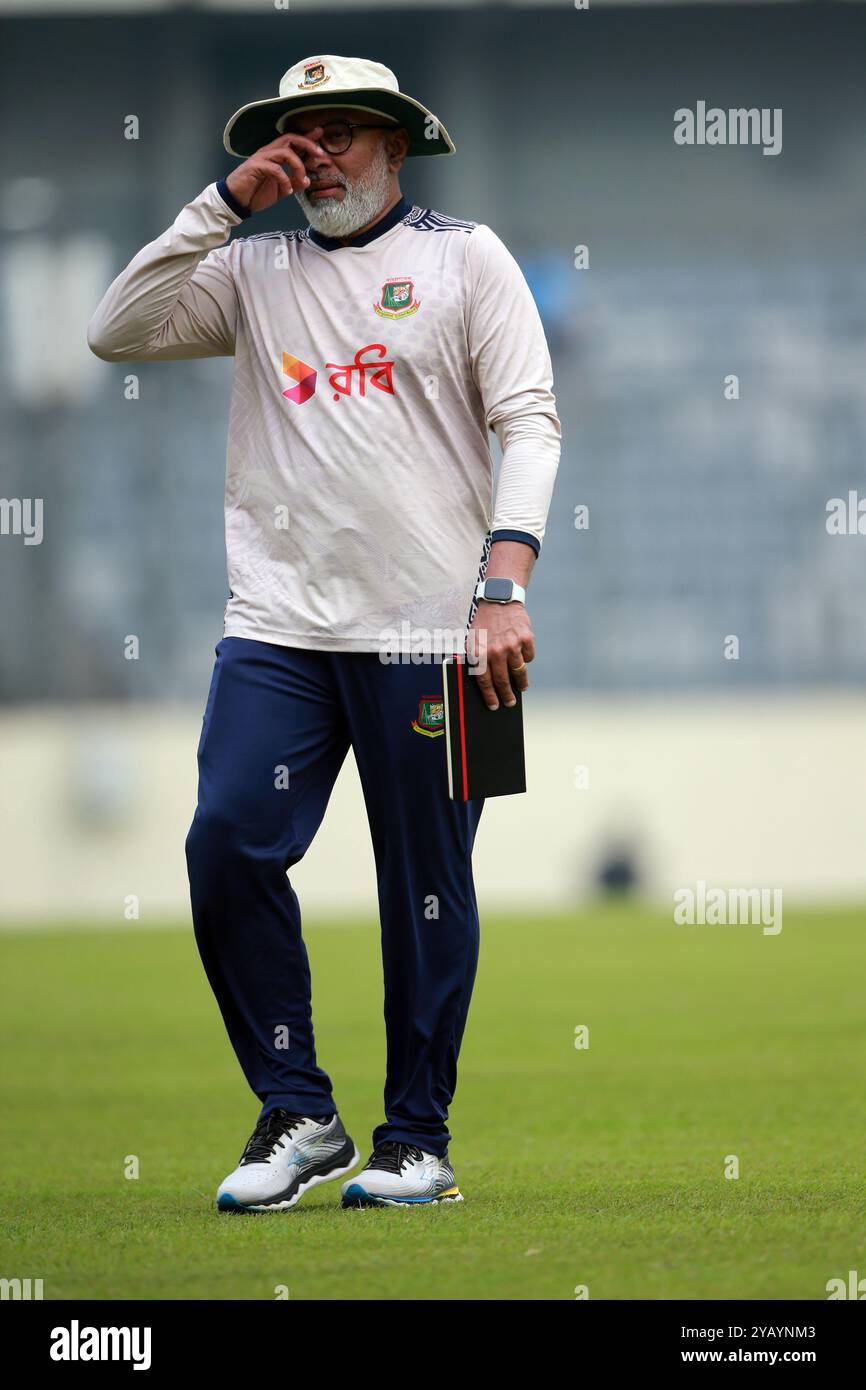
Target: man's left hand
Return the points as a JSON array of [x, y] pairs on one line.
[[500, 638]]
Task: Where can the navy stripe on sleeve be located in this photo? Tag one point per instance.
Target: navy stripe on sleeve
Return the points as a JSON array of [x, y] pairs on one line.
[[516, 536], [231, 201]]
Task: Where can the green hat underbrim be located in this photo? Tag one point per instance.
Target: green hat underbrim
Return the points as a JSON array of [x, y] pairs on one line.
[[256, 125]]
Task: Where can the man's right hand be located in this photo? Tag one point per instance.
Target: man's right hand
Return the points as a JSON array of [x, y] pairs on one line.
[[261, 180]]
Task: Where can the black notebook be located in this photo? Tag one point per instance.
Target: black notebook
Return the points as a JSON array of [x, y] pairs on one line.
[[484, 747]]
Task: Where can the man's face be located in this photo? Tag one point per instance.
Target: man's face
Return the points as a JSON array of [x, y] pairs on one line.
[[349, 190]]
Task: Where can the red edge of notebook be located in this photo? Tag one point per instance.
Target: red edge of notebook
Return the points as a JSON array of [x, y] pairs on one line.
[[462, 724]]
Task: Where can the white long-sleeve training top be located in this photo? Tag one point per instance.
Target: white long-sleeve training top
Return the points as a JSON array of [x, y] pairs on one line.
[[367, 376]]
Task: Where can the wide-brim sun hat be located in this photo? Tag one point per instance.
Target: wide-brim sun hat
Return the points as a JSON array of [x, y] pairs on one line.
[[318, 83]]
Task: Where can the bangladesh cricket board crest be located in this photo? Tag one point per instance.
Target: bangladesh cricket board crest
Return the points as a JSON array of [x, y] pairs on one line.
[[397, 299], [431, 716], [314, 76]]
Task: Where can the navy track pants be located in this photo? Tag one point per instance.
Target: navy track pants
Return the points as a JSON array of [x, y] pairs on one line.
[[277, 726]]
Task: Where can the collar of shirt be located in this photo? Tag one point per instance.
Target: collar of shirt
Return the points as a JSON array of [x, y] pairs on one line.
[[330, 243]]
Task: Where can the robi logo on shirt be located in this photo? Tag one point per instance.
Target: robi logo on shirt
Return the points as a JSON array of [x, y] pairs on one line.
[[376, 373], [303, 374]]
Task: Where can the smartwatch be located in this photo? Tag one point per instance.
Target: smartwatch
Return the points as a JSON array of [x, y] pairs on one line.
[[500, 591]]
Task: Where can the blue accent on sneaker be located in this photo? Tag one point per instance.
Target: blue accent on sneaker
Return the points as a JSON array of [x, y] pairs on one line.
[[358, 1193], [227, 1202]]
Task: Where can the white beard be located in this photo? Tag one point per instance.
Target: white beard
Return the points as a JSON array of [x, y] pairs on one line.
[[360, 204]]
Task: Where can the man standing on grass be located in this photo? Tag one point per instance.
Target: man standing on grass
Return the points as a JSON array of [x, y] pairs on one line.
[[374, 351]]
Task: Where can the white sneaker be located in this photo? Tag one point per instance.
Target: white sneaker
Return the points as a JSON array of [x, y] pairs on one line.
[[398, 1175], [286, 1155]]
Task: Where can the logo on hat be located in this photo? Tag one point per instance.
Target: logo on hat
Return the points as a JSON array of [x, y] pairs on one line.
[[314, 76], [397, 299], [431, 716]]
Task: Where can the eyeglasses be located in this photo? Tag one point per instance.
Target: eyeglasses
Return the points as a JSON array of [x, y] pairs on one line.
[[336, 136]]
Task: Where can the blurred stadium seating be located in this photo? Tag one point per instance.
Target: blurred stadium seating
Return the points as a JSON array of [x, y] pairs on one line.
[[707, 515]]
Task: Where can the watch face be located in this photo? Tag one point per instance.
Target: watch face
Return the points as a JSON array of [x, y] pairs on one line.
[[499, 590]]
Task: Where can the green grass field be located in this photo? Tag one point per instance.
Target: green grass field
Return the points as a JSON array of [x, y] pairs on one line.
[[602, 1167]]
